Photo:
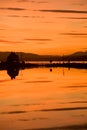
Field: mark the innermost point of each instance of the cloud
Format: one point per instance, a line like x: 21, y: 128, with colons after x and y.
x: 39, y: 118
x: 79, y: 102
x: 64, y: 11
x: 25, y: 16
x: 33, y: 104
x: 23, y: 1
x: 63, y: 109
x: 42, y: 2
x: 67, y: 127
x: 2, y: 29
x: 14, y: 112
x: 13, y: 16
x: 47, y: 81
x: 33, y: 1
x: 4, y: 41
x: 82, y: 18
x: 80, y: 86
x: 1, y: 81
x: 74, y: 34
x: 85, y: 48
x: 38, y: 39
x: 13, y: 9
x: 85, y: 26
x: 9, y: 42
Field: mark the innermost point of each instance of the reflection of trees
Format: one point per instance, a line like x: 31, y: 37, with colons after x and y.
x: 13, y: 72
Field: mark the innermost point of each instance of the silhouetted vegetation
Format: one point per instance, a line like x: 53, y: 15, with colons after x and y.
x: 13, y: 62
x: 13, y: 72
x: 78, y: 56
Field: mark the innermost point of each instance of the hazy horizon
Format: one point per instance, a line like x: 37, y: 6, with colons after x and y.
x: 44, y: 27
x: 45, y: 54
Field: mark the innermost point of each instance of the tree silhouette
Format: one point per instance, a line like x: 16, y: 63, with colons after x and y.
x: 12, y: 60
x: 12, y: 65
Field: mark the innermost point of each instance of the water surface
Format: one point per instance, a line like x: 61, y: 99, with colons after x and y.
x: 40, y: 99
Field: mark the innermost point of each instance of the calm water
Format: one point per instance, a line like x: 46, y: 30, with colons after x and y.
x: 39, y: 99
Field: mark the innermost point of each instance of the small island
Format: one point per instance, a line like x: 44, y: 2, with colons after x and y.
x: 14, y: 61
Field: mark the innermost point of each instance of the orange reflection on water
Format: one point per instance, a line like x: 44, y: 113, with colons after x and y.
x: 38, y: 98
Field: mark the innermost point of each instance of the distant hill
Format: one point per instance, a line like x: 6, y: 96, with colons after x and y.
x: 28, y: 56
x: 80, y: 53
x: 22, y: 55
x: 77, y: 56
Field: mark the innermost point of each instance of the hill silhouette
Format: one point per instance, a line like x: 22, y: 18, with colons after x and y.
x: 77, y: 56
x: 22, y: 56
x: 80, y: 53
x: 28, y: 56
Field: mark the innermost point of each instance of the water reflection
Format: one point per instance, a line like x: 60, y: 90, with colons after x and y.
x: 43, y: 100
x: 13, y: 72
x: 50, y: 69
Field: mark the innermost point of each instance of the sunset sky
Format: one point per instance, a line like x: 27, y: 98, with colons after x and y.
x: 43, y: 26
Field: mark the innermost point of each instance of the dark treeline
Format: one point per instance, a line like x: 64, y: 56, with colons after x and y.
x: 15, y: 61
x: 78, y: 56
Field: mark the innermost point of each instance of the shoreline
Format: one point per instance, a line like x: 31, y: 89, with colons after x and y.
x: 4, y: 66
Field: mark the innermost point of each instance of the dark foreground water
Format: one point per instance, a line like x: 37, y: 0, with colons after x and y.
x: 40, y: 99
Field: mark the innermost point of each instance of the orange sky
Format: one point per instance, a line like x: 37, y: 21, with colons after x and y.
x: 43, y: 26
